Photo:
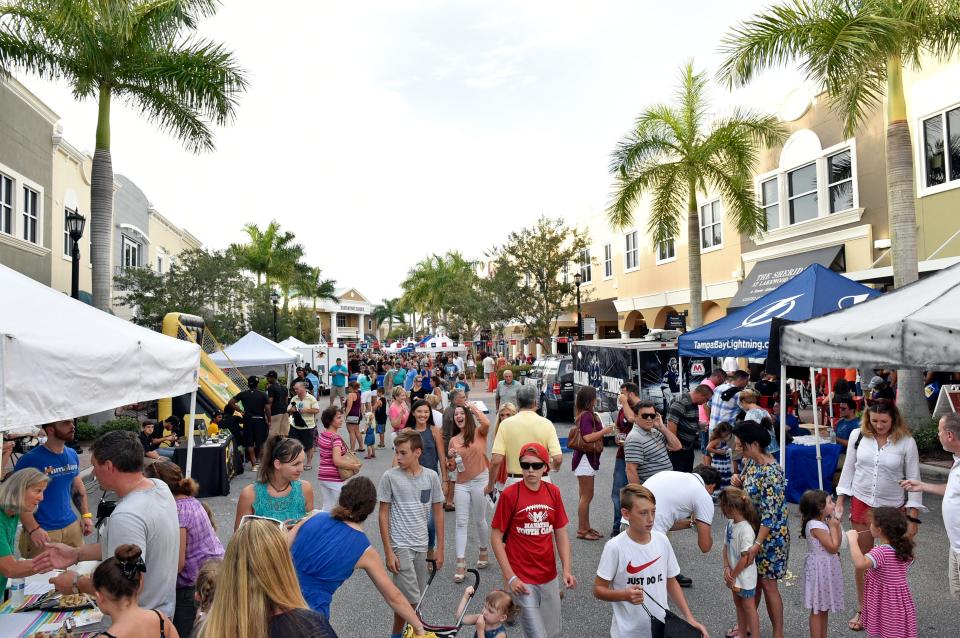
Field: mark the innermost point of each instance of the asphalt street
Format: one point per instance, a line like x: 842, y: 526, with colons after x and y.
x: 359, y: 611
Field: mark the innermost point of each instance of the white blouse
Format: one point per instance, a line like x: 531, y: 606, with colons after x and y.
x: 873, y: 474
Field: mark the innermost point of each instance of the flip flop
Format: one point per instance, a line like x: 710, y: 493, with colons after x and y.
x: 588, y: 536
x: 733, y: 632
x: 854, y: 623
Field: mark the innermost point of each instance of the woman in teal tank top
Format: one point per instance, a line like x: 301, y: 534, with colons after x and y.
x: 278, y: 491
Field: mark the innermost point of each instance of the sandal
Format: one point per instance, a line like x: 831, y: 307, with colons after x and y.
x: 483, y: 560
x: 447, y: 507
x: 733, y: 632
x: 307, y: 468
x: 461, y: 572
x: 854, y: 623
x: 596, y: 533
x: 588, y: 535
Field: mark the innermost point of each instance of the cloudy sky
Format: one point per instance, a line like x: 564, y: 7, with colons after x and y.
x: 382, y: 131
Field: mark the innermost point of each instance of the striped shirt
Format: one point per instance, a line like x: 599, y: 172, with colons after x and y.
x: 326, y: 441
x: 410, y: 498
x: 648, y: 451
x: 723, y: 411
x: 888, y: 608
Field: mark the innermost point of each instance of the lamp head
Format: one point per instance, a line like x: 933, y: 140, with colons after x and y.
x: 75, y: 225
x: 577, y: 278
x: 274, y: 296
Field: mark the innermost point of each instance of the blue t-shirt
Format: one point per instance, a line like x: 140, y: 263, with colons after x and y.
x: 408, y: 380
x: 315, y: 380
x: 451, y: 370
x: 338, y: 376
x: 56, y: 508
x: 325, y: 553
x: 845, y: 427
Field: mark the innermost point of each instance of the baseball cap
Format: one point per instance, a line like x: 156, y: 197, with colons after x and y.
x: 537, y: 450
x: 874, y: 382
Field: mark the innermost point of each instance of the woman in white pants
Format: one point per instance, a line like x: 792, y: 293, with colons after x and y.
x: 332, y: 457
x: 470, y: 447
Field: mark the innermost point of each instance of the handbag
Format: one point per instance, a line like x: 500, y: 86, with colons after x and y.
x: 346, y: 473
x: 672, y: 625
x: 576, y: 442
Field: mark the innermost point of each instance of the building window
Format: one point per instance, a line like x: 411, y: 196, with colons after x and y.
x: 632, y: 253
x: 341, y: 321
x: 666, y: 251
x: 802, y: 193
x: 711, y: 226
x: 770, y: 202
x: 67, y: 242
x: 131, y: 252
x: 817, y: 189
x: 941, y: 159
x: 608, y: 261
x: 31, y: 218
x: 6, y: 204
x: 586, y: 269
x: 160, y: 264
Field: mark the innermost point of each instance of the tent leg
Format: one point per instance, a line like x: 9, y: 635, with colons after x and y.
x: 188, y: 432
x: 816, y: 428
x: 783, y: 417
x: 829, y: 398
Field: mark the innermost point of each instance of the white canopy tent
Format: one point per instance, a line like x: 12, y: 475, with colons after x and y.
x: 61, y: 358
x: 292, y: 343
x: 253, y: 350
x: 440, y: 343
x: 916, y: 327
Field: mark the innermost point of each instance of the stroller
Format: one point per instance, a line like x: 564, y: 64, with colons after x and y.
x: 441, y: 631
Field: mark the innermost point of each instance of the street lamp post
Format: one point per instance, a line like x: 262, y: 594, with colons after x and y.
x: 75, y: 224
x: 577, y: 280
x: 274, y: 299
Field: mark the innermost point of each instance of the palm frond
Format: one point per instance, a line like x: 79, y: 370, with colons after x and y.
x: 691, y: 96
x: 670, y: 190
x: 739, y: 201
x: 170, y: 114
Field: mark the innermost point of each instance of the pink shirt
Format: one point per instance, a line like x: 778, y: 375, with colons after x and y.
x: 398, y: 411
x: 326, y: 441
x: 703, y: 410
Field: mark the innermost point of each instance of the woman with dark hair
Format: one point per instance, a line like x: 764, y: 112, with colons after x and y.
x: 333, y: 456
x: 354, y: 411
x: 118, y: 581
x: 329, y: 546
x: 468, y: 456
x: 766, y: 484
x: 198, y: 539
x: 879, y: 455
x: 421, y: 420
x: 278, y: 492
x: 586, y: 465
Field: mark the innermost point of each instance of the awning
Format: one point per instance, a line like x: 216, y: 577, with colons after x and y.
x: 770, y: 274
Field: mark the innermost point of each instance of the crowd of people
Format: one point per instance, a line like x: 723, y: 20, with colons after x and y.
x: 162, y: 565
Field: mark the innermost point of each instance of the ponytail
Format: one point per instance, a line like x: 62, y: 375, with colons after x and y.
x: 893, y: 523
x: 732, y: 498
x: 121, y: 575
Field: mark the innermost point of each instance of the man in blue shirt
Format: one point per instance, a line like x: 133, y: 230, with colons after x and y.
x: 55, y: 520
x: 848, y: 421
x: 338, y: 382
x: 314, y: 379
x: 411, y: 375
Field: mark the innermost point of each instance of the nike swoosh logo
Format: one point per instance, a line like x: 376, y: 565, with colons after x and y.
x: 636, y: 570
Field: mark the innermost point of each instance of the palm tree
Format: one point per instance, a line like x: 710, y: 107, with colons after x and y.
x: 257, y: 253
x: 857, y: 50
x: 143, y: 52
x: 388, y: 311
x: 313, y: 285
x: 674, y: 155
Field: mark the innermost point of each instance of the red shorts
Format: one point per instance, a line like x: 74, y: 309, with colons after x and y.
x: 859, y: 511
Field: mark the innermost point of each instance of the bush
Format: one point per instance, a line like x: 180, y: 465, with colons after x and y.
x: 85, y: 431
x: 517, y: 370
x: 927, y: 438
x: 121, y: 423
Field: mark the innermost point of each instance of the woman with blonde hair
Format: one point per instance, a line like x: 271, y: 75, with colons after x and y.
x: 21, y: 492
x: 258, y: 595
x: 398, y: 411
x: 506, y: 411
x: 879, y: 455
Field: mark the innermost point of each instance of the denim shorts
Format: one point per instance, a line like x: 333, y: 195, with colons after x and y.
x: 747, y: 593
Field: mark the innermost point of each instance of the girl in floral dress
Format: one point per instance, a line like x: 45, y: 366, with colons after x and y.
x: 721, y: 452
x: 822, y: 577
x: 765, y: 482
x: 888, y: 609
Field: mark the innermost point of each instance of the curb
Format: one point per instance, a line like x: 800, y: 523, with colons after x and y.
x: 934, y: 472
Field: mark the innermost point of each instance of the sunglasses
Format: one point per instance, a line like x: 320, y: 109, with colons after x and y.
x: 524, y: 465
x: 648, y: 417
x: 254, y: 517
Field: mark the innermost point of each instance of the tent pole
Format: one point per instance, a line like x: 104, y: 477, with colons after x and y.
x: 829, y: 398
x: 783, y: 416
x: 816, y: 428
x: 189, y: 432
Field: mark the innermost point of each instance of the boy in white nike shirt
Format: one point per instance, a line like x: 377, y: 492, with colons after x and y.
x: 639, y: 564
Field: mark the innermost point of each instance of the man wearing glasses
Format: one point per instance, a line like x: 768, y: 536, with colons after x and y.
x: 647, y: 446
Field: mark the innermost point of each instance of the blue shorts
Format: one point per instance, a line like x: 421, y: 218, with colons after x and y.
x: 381, y: 427
x: 746, y: 593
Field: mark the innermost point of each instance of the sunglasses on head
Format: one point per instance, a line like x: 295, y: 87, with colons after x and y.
x: 524, y: 465
x: 253, y: 517
x: 648, y: 417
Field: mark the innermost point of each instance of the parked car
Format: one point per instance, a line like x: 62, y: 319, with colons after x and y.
x: 553, y: 375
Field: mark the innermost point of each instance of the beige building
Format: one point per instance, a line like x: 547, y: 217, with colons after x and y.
x: 167, y: 241
x: 348, y: 320
x: 70, y: 193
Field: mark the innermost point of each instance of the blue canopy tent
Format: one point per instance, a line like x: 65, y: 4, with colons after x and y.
x: 815, y: 292
x: 746, y: 332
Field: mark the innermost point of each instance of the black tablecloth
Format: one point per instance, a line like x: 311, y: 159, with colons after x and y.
x: 213, y: 466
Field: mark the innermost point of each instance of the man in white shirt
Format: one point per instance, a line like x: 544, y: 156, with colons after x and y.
x: 458, y: 361
x: 489, y: 365
x: 949, y: 433
x: 685, y: 500
x: 638, y: 570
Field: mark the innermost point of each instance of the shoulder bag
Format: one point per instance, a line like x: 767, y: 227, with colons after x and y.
x: 346, y: 473
x: 576, y: 442
x: 672, y: 625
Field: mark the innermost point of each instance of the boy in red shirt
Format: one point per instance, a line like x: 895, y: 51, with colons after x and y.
x: 529, y: 516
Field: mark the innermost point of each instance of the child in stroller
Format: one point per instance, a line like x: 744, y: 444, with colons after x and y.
x: 498, y: 607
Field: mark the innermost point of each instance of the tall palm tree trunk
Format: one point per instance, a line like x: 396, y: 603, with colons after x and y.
x: 101, y: 207
x: 693, y: 260
x: 903, y: 227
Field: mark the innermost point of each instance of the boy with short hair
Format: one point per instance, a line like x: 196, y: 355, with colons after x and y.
x: 407, y: 493
x: 636, y: 561
x: 530, y: 513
